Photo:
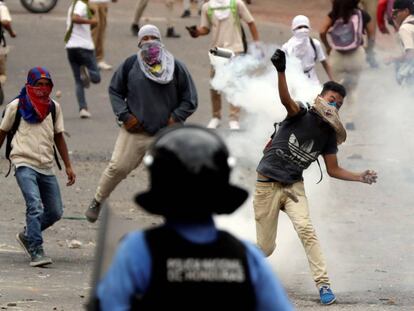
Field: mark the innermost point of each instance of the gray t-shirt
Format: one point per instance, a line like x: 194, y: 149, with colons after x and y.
x: 298, y: 142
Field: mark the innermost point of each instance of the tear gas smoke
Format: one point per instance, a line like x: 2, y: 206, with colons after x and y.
x: 346, y: 215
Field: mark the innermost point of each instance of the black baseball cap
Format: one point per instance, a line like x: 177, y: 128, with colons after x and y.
x: 404, y: 4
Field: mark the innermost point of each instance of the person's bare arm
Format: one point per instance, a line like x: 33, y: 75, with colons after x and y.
x: 279, y: 61
x: 63, y: 151
x: 328, y: 69
x: 335, y: 171
x: 253, y: 31
x: 195, y: 31
x: 3, y: 135
x: 326, y: 24
x: 77, y: 19
x: 8, y: 26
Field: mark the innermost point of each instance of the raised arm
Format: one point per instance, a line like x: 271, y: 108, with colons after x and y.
x: 279, y: 61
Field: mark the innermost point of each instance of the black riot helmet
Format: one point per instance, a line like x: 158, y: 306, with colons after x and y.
x: 189, y: 172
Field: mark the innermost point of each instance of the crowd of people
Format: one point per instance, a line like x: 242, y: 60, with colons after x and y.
x: 152, y: 93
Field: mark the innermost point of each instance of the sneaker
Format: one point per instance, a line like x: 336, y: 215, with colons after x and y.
x: 92, y: 213
x: 104, y: 65
x: 21, y: 238
x: 186, y: 13
x: 84, y: 76
x: 326, y: 294
x: 214, y: 123
x: 234, y: 125
x: 38, y: 258
x: 135, y: 29
x: 84, y: 114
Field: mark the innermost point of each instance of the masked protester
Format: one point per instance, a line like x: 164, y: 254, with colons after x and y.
x: 33, y: 124
x: 297, y: 142
x: 149, y: 91
x: 222, y: 18
x: 187, y: 263
x: 308, y: 50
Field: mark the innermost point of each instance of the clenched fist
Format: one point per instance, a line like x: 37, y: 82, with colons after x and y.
x: 279, y: 60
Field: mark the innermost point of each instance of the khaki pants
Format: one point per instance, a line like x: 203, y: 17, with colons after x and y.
x: 216, y: 103
x: 269, y: 199
x: 127, y: 155
x: 98, y: 32
x: 142, y: 4
x: 347, y: 68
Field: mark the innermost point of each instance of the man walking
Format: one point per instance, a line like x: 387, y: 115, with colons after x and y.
x: 100, y: 10
x: 148, y: 92
x: 297, y: 142
x: 141, y: 5
x: 36, y: 121
x: 80, y: 50
x: 222, y: 18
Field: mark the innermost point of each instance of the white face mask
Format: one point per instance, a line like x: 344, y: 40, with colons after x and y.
x: 301, y: 33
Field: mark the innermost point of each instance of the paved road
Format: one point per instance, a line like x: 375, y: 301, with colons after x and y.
x: 365, y: 231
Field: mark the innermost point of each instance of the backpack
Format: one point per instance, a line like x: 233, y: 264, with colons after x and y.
x: 13, y: 130
x: 234, y: 11
x: 347, y: 36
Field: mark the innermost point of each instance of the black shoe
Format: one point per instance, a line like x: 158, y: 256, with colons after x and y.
x: 186, y: 13
x: 92, y: 213
x: 38, y: 258
x: 21, y: 238
x: 84, y: 76
x: 171, y: 33
x: 135, y: 29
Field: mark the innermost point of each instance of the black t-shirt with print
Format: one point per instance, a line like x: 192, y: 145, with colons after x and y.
x: 298, y: 142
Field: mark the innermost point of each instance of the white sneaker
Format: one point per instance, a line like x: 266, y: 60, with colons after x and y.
x: 214, y: 123
x: 104, y: 66
x: 84, y: 114
x: 234, y: 125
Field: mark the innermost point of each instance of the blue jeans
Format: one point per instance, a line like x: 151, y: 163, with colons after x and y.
x: 43, y: 203
x: 82, y: 57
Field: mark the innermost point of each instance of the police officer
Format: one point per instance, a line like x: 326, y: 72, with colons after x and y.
x: 187, y: 263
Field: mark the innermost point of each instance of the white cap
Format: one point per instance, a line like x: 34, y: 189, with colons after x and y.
x: 148, y: 30
x: 300, y: 20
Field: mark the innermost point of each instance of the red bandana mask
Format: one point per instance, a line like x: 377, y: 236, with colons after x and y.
x: 39, y: 97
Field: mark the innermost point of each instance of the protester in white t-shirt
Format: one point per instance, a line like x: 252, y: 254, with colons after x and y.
x: 307, y: 49
x: 81, y: 51
x: 5, y: 20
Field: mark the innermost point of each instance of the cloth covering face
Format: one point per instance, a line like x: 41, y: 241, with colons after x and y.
x: 161, y: 69
x: 34, y: 102
x: 330, y: 115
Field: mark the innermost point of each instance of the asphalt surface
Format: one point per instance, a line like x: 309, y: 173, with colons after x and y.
x: 365, y: 231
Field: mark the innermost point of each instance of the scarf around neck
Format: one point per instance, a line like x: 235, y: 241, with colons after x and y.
x: 330, y: 115
x: 163, y: 71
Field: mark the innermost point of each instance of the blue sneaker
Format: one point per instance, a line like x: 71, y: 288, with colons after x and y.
x: 326, y: 294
